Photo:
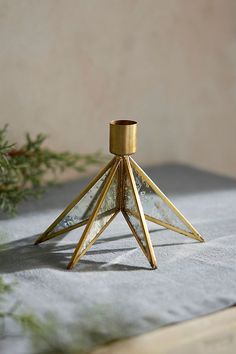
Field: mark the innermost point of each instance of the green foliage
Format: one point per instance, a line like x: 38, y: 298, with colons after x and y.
x: 4, y: 287
x: 25, y: 171
x: 49, y: 335
x: 44, y: 334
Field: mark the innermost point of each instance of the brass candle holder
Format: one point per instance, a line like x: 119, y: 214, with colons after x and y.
x: 121, y: 186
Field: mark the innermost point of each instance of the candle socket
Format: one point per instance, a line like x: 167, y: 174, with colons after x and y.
x: 123, y: 137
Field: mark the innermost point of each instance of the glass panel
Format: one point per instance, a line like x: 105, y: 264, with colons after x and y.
x: 132, y: 211
x: 135, y: 222
x: 83, y: 209
x: 105, y: 213
x: 154, y: 206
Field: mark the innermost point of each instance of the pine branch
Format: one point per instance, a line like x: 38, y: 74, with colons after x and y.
x: 46, y: 335
x: 24, y: 169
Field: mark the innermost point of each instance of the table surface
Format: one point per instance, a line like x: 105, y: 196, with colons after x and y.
x: 112, y: 292
x: 212, y: 334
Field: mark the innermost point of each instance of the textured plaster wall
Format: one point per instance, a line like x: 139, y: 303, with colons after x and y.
x: 67, y: 67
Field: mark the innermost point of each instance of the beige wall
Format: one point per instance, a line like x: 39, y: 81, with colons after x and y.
x: 68, y: 67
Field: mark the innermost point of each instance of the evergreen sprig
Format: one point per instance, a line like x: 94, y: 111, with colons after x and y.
x: 47, y: 335
x: 26, y: 170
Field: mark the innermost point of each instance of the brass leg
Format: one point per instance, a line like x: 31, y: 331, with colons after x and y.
x: 174, y: 228
x: 48, y: 234
x: 147, y: 248
x: 191, y: 232
x: 80, y: 255
x: 82, y: 247
x: 134, y: 232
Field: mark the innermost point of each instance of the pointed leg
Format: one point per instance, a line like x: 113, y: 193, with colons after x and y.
x: 80, y: 253
x: 134, y: 215
x: 107, y: 201
x: 158, y: 208
x: 77, y: 213
x: 134, y: 225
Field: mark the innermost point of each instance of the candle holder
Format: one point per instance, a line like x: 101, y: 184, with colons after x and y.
x: 121, y: 186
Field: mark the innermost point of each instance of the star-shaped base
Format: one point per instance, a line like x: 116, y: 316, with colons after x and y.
x: 122, y: 186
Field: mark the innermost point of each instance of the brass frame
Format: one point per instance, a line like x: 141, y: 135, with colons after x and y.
x: 195, y: 234
x: 150, y: 252
x: 122, y: 165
